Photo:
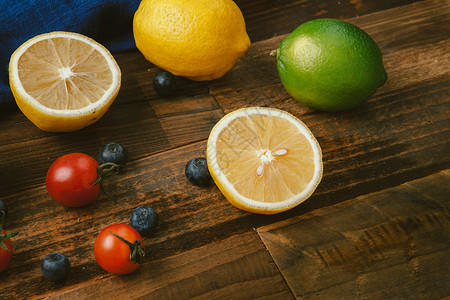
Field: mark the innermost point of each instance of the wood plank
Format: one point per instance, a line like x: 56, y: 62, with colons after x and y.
x: 265, y: 19
x: 149, y: 132
x: 137, y: 78
x: 28, y: 152
x: 190, y: 217
x: 139, y: 119
x: 401, y: 134
x: 236, y: 268
x: 414, y: 41
x: 390, y: 244
x: 187, y: 220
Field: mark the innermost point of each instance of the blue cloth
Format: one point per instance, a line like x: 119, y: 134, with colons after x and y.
x: 109, y: 22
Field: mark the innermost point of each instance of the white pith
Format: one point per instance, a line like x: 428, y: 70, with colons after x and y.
x: 65, y: 72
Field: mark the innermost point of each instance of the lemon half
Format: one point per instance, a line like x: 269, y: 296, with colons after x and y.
x: 63, y: 81
x: 264, y: 160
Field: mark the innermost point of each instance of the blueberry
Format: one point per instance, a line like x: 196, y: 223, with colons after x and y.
x: 3, y: 212
x: 144, y: 219
x: 197, y: 172
x: 113, y: 152
x: 164, y: 84
x: 55, y: 266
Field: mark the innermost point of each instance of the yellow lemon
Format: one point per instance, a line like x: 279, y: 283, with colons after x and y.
x: 264, y: 160
x: 200, y: 39
x: 63, y: 81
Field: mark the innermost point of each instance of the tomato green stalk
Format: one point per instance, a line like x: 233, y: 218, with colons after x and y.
x: 4, y: 237
x: 105, y: 170
x: 137, y: 252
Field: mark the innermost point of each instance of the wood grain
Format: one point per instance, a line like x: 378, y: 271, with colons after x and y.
x: 384, y: 142
x: 378, y: 246
x: 145, y: 128
x: 413, y: 40
x: 265, y: 18
x: 234, y: 268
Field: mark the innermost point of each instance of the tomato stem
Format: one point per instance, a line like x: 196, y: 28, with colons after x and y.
x: 105, y: 170
x: 4, y: 237
x: 137, y: 252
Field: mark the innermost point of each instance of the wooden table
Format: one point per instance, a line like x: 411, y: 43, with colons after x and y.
x: 377, y: 227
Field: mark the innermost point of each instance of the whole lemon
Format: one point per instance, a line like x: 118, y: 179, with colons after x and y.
x: 330, y: 65
x: 200, y: 39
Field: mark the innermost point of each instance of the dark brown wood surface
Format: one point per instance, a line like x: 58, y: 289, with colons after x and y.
x: 204, y: 247
x: 376, y: 246
x: 238, y: 267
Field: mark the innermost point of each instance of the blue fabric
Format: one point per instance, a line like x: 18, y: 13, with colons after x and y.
x: 109, y: 22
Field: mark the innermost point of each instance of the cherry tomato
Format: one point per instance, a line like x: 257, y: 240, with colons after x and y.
x: 70, y: 180
x: 119, y: 249
x: 5, y: 254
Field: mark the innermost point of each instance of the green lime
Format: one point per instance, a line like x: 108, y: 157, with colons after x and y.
x: 330, y: 65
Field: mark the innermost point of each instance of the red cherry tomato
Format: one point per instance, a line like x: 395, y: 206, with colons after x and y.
x: 70, y: 180
x: 119, y: 249
x: 5, y: 254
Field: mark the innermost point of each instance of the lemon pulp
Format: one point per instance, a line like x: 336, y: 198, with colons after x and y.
x: 52, y: 69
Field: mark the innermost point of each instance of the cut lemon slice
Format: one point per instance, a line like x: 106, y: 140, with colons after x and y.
x: 63, y: 81
x: 264, y: 160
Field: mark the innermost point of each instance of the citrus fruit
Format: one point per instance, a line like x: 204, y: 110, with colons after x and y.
x: 264, y: 160
x: 200, y: 39
x: 63, y: 81
x: 330, y: 65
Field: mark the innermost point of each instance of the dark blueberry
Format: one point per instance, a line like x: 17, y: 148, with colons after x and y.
x: 164, y: 84
x: 144, y: 219
x: 3, y: 212
x: 55, y: 266
x: 113, y: 152
x: 197, y: 172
